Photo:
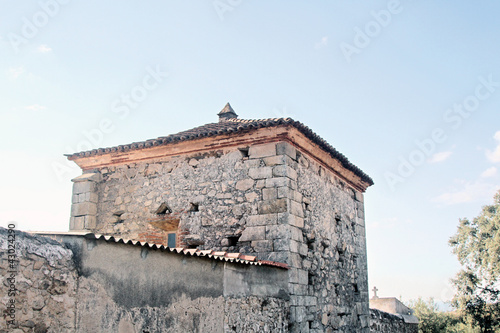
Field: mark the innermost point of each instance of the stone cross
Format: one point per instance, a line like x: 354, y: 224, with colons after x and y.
x: 375, y: 292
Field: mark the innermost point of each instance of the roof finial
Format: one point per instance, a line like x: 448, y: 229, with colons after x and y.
x: 227, y: 113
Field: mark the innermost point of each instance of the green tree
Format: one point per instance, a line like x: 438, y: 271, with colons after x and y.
x: 431, y: 320
x: 477, y: 247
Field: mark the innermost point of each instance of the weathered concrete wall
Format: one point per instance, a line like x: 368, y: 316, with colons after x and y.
x: 384, y: 322
x: 331, y: 257
x: 178, y: 293
x: 89, y: 285
x: 41, y: 280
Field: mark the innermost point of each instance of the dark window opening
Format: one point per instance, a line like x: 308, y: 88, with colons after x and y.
x: 194, y: 207
x: 171, y: 240
x: 118, y: 216
x: 244, y: 151
x: 163, y: 209
x: 233, y: 240
x: 355, y: 287
x: 310, y: 278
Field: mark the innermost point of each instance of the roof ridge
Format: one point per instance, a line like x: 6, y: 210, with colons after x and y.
x: 231, y: 126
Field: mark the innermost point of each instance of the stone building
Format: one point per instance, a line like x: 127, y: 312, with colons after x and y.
x: 270, y: 188
x: 234, y: 226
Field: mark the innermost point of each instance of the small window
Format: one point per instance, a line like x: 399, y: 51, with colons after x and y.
x: 244, y: 152
x: 171, y: 240
x: 233, y: 240
x: 194, y: 207
x: 163, y: 209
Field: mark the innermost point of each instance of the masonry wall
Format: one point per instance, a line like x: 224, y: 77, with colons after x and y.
x: 383, y: 322
x: 328, y: 277
x: 265, y: 199
x: 40, y: 280
x: 89, y: 285
x: 228, y: 200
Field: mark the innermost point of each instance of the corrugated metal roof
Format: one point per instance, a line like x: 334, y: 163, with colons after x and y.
x: 211, y: 254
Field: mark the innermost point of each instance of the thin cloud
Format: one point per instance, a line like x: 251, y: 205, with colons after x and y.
x: 494, y: 156
x: 490, y: 172
x: 35, y: 107
x: 44, y: 48
x: 469, y: 192
x: 15, y: 72
x: 440, y: 157
x: 322, y: 43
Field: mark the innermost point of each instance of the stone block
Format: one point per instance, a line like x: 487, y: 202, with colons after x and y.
x: 262, y: 245
x: 94, y: 177
x: 83, y: 187
x: 358, y: 196
x: 252, y: 196
x: 263, y: 150
x: 277, y: 231
x: 90, y: 222
x: 296, y: 209
x: 259, y: 220
x: 295, y: 260
x: 297, y: 275
x: 260, y: 173
x: 278, y: 182
x: 269, y: 193
x: 245, y: 184
x: 83, y: 208
x: 272, y: 206
x: 75, y: 198
x: 283, y: 192
x: 298, y: 289
x: 284, y: 171
x: 284, y: 148
x: 274, y: 160
x: 78, y: 223
x: 296, y: 234
x: 296, y: 195
x: 253, y: 233
x: 281, y: 245
x: 294, y: 246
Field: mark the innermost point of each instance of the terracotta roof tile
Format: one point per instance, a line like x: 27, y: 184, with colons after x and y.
x: 231, y: 125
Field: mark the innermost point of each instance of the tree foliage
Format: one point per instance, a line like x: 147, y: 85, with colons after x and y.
x: 477, y: 247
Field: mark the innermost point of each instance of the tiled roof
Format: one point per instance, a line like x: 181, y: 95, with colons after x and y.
x: 228, y: 126
x: 211, y: 254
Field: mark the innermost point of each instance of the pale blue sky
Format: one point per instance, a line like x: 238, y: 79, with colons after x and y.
x: 65, y: 69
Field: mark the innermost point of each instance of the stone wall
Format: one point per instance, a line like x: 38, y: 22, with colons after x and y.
x: 223, y: 200
x: 45, y: 282
x: 268, y: 199
x: 91, y: 285
x: 331, y: 256
x: 384, y: 322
